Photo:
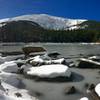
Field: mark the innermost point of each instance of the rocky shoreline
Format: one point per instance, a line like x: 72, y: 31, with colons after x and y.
x: 44, y: 68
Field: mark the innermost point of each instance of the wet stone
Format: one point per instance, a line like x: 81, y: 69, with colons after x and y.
x: 70, y: 90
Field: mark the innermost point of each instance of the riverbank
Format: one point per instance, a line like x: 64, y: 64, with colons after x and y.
x: 55, y: 90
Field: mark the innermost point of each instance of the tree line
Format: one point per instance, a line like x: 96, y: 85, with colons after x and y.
x: 31, y: 32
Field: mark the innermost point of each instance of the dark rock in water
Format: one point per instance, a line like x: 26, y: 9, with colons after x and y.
x: 71, y: 64
x: 91, y: 87
x: 18, y: 94
x: 20, y: 71
x: 20, y: 64
x: 38, y: 93
x: 86, y: 85
x: 30, y: 49
x: 54, y: 54
x: 64, y: 62
x: 87, y: 63
x: 99, y: 72
x: 70, y: 90
x: 92, y: 92
x: 93, y: 95
x: 33, y: 63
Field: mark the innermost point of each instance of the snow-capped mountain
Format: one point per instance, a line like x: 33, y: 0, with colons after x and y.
x: 47, y: 21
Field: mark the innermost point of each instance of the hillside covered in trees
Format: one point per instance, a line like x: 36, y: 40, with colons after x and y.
x: 27, y: 31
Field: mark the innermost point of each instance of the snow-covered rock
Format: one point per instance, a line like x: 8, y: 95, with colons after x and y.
x: 9, y: 58
x: 97, y: 89
x: 58, y: 61
x: 44, y: 60
x: 11, y: 91
x: 12, y: 87
x: 10, y: 66
x: 37, y: 59
x: 88, y: 63
x: 2, y: 59
x: 84, y: 98
x: 45, y: 56
x: 50, y: 71
x: 48, y: 22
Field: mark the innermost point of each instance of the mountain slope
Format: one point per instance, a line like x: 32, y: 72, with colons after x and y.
x: 45, y: 28
x: 20, y: 31
x: 91, y: 25
x: 48, y: 22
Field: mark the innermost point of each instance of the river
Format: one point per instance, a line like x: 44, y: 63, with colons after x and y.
x: 55, y: 90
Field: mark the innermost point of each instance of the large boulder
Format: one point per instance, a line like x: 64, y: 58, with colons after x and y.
x: 30, y: 49
x: 50, y: 71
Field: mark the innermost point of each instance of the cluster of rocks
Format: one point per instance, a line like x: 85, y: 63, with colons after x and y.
x: 93, y: 91
x: 43, y: 65
x: 37, y: 62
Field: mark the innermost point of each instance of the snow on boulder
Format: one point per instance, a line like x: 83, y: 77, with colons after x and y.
x: 50, y: 71
x: 10, y: 66
x: 2, y: 59
x: 10, y: 58
x: 87, y: 63
x: 58, y: 61
x: 38, y: 60
x: 97, y: 89
x: 84, y: 98
x: 13, y: 93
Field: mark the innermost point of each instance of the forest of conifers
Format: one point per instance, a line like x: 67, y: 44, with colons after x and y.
x: 25, y: 32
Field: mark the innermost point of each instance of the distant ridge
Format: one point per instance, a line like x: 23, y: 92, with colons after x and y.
x: 48, y: 21
x: 46, y: 28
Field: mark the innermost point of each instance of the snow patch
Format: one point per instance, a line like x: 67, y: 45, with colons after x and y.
x: 46, y: 60
x: 84, y: 98
x: 49, y: 22
x: 37, y: 59
x: 10, y: 93
x: 10, y: 66
x: 97, y: 89
x: 50, y: 71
